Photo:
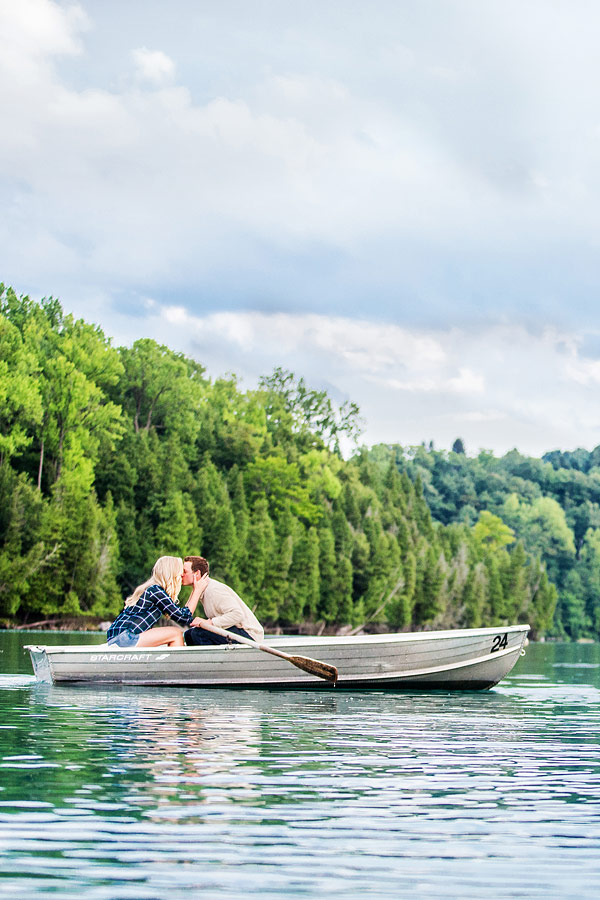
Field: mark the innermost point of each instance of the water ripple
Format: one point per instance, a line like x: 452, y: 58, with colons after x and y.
x: 141, y: 793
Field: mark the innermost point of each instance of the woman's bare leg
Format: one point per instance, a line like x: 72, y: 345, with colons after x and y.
x: 169, y: 635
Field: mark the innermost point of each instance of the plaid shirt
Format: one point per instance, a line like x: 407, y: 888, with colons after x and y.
x: 153, y: 604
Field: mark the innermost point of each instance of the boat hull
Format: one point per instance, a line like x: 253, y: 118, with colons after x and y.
x: 466, y: 659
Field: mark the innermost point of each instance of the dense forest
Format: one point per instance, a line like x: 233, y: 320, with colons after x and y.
x: 552, y: 506
x: 111, y: 457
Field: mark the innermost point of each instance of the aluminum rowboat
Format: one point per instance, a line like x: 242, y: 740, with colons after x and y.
x: 461, y: 659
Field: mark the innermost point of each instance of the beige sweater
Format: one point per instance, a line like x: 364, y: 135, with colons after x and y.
x: 224, y: 608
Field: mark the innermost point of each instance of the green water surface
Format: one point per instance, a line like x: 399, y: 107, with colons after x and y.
x: 122, y: 792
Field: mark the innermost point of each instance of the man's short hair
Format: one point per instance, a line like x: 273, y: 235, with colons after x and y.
x: 199, y: 564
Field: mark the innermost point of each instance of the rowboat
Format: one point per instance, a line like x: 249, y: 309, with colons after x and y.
x: 461, y: 659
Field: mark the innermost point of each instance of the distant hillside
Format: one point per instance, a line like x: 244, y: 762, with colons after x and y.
x: 551, y: 504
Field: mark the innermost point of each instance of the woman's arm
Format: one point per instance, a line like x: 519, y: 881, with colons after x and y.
x: 164, y: 603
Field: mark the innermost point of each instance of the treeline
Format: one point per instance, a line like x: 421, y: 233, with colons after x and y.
x: 111, y: 457
x: 552, y: 506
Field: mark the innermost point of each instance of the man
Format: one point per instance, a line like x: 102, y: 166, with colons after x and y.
x: 222, y: 607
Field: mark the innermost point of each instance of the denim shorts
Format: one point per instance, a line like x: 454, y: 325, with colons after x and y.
x: 124, y: 639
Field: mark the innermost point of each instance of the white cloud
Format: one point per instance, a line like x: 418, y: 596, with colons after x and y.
x: 153, y: 66
x: 160, y: 181
x: 467, y: 382
x: 583, y: 371
x: 35, y: 29
x: 496, y: 387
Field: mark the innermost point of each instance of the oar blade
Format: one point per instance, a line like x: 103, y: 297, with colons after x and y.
x: 315, y: 667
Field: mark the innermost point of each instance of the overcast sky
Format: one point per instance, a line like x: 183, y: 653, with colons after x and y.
x: 398, y: 200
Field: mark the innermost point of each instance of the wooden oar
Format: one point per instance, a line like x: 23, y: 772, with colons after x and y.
x: 312, y: 666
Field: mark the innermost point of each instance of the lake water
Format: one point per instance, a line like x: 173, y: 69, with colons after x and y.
x: 143, y: 793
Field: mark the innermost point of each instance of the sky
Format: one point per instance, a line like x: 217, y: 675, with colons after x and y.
x: 398, y: 201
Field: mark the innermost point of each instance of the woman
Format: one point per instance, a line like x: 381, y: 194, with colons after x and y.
x: 150, y: 601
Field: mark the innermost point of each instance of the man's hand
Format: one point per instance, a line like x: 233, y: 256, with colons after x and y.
x: 199, y: 623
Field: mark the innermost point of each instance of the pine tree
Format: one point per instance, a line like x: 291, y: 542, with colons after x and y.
x: 223, y: 550
x: 328, y: 595
x: 430, y: 579
x: 350, y: 503
x: 474, y: 598
x: 286, y: 533
x: 178, y: 527
x: 307, y: 574
x: 261, y: 537
x: 497, y: 609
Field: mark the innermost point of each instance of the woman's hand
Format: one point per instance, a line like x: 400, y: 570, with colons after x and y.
x: 200, y: 582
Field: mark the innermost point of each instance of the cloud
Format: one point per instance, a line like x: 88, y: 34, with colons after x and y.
x: 153, y: 66
x: 583, y: 371
x: 497, y: 387
x: 411, y: 183
x: 37, y: 29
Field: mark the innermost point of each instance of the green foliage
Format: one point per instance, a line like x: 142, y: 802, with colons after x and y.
x: 295, y: 411
x: 279, y: 481
x: 491, y: 533
x: 548, y: 507
x: 112, y: 457
x: 20, y: 400
x: 160, y: 389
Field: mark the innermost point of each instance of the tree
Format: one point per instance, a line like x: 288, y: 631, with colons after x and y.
x: 492, y: 533
x: 261, y: 537
x: 77, y: 416
x: 544, y: 530
x: 329, y: 597
x: 293, y: 408
x: 495, y: 593
x: 515, y: 582
x: 74, y: 366
x: 178, y: 527
x: 430, y: 580
x: 572, y: 614
x: 225, y: 551
x: 305, y: 576
x: 22, y: 552
x: 161, y: 389
x: 279, y: 481
x: 20, y: 400
x: 474, y: 598
x: 80, y: 574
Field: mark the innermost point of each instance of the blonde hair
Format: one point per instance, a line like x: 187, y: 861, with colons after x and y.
x: 167, y: 573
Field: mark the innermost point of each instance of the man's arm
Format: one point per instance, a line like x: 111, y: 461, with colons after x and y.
x: 227, y: 617
x: 222, y: 606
